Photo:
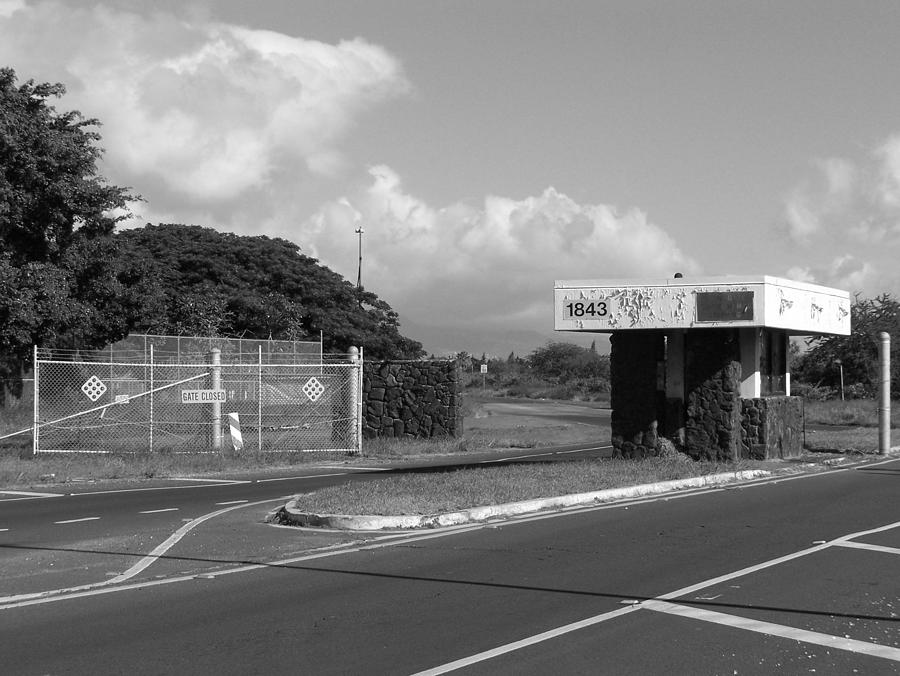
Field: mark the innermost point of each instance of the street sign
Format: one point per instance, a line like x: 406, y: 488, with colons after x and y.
x: 484, y: 368
x: 203, y: 396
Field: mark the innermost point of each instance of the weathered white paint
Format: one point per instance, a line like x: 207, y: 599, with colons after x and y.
x: 797, y: 307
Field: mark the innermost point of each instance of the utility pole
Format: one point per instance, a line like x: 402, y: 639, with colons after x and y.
x: 359, y: 231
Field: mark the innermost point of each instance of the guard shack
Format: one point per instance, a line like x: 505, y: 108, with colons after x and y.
x: 703, y: 362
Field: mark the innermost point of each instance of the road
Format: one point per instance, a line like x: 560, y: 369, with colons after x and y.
x: 59, y: 539
x: 796, y: 575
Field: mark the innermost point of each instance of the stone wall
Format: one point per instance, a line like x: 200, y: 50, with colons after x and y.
x: 634, y: 392
x: 713, y: 395
x: 412, y: 399
x: 772, y: 427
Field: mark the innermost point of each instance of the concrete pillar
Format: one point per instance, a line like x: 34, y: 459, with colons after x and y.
x: 751, y: 346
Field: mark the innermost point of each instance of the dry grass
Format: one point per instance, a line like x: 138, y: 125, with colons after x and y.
x: 446, y: 491
x: 862, y: 412
x: 855, y: 440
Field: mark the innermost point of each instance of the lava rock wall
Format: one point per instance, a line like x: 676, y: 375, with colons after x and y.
x: 412, y: 399
x: 771, y: 427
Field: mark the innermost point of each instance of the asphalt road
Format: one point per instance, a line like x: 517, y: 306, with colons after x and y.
x: 790, y: 576
x: 60, y: 539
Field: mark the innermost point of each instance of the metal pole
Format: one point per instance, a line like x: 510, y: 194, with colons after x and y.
x: 359, y: 231
x: 151, y: 395
x: 259, y: 401
x: 34, y: 434
x: 884, y: 404
x: 216, y: 377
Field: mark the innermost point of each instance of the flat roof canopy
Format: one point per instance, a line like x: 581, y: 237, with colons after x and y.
x: 607, y: 305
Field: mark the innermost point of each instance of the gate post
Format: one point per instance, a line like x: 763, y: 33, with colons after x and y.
x: 355, y: 396
x: 216, y: 373
x: 36, y: 404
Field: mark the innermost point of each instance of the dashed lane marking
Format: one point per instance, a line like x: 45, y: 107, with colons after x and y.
x: 231, y: 502
x: 87, y: 518
x: 159, y: 511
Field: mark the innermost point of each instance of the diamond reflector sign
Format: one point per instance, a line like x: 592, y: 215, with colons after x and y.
x: 93, y: 388
x: 313, y: 389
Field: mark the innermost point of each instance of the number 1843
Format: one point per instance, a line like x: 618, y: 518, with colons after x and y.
x: 579, y: 309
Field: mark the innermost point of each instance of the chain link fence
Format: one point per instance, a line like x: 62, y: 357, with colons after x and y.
x: 283, y: 400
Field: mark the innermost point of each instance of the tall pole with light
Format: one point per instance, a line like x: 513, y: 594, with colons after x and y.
x: 359, y: 231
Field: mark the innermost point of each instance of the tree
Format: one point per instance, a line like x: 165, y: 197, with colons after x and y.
x: 260, y: 287
x: 565, y: 361
x: 50, y: 187
x: 858, y: 352
x: 58, y: 284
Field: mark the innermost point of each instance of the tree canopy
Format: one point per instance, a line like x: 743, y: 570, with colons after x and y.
x: 214, y: 283
x: 50, y: 187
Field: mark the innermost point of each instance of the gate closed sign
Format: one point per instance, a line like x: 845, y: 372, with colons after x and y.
x: 202, y: 396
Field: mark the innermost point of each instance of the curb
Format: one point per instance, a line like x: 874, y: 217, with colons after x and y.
x: 364, y: 522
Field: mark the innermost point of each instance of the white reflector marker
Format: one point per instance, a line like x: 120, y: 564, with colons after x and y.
x: 234, y: 424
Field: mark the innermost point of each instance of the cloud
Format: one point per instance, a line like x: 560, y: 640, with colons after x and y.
x: 196, y: 110
x: 491, y: 266
x: 845, y: 221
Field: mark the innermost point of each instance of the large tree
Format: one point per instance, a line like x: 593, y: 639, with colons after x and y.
x: 58, y: 284
x: 258, y: 287
x: 50, y: 187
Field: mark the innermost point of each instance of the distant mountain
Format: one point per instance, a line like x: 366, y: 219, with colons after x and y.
x: 446, y: 340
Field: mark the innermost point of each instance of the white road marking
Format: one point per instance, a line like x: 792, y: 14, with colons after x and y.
x: 3, y: 530
x: 515, y: 457
x: 87, y: 518
x: 232, y: 502
x: 155, y: 488
x: 871, y: 548
x: 660, y: 604
x: 584, y: 450
x: 211, y: 481
x: 771, y: 629
x: 31, y: 494
x: 525, y: 642
x: 291, y: 478
x: 159, y: 511
x: 51, y: 595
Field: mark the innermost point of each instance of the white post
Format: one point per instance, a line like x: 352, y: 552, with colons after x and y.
x: 355, y: 390
x: 216, y: 374
x: 884, y: 403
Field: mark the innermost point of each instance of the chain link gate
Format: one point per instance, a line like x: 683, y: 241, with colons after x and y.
x: 96, y: 406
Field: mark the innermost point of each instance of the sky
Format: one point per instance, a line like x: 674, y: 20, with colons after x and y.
x: 489, y: 147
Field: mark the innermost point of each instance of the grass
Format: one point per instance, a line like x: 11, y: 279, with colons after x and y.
x: 435, y: 492
x: 862, y: 412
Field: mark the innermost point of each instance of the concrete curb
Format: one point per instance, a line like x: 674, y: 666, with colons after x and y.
x: 289, y: 514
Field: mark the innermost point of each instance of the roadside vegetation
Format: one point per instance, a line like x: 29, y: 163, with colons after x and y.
x: 435, y: 492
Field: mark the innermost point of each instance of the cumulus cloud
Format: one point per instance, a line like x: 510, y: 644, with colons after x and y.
x: 493, y: 265
x: 203, y: 111
x: 845, y: 220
